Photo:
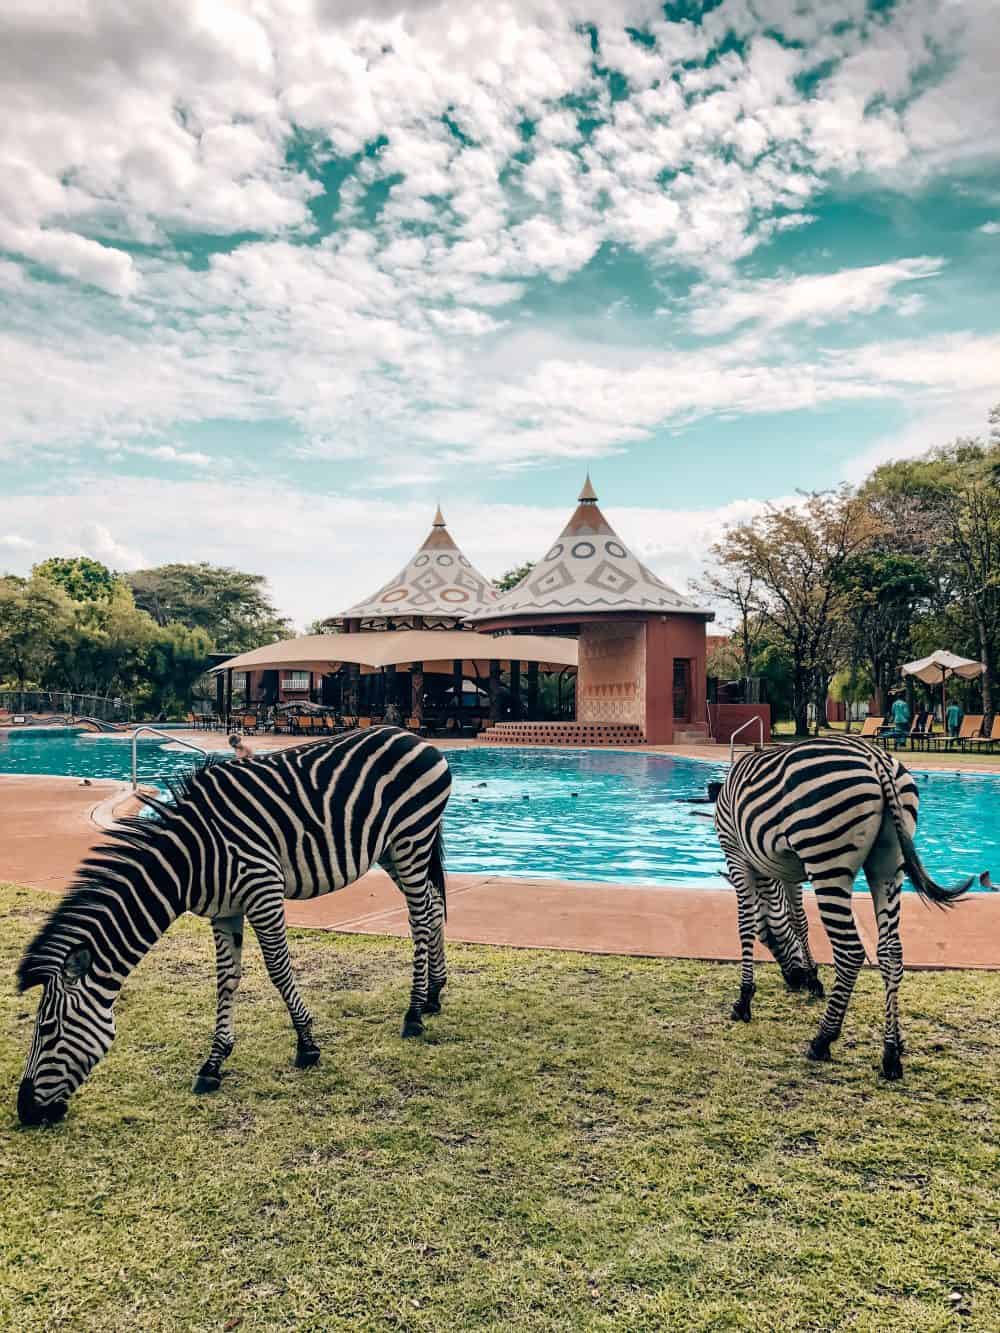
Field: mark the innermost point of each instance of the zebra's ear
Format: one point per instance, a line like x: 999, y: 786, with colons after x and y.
x: 77, y: 965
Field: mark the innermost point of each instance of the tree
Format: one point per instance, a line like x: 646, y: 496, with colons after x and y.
x: 883, y: 592
x: 177, y: 659
x: 231, y: 606
x: 105, y: 646
x: 513, y: 577
x: 735, y: 589
x: 955, y: 491
x: 35, y: 615
x: 81, y: 578
x: 791, y: 559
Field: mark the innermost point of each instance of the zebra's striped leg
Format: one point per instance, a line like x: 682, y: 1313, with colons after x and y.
x: 273, y: 940
x: 800, y: 923
x: 228, y: 934
x: 834, y: 898
x: 744, y: 882
x: 776, y: 930
x: 408, y: 865
x: 437, y: 967
x: 886, y: 881
x: 423, y: 928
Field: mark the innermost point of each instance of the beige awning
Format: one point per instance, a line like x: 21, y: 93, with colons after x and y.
x: 941, y: 665
x: 437, y: 650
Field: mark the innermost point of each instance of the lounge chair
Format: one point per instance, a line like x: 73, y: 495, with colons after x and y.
x: 873, y: 729
x: 972, y: 743
x: 972, y: 725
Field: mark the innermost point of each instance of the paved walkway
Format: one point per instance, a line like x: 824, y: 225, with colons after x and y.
x: 49, y: 824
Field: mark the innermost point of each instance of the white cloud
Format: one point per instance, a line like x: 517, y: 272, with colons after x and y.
x: 403, y: 332
x: 73, y: 256
x: 811, y: 299
x: 99, y: 543
x: 273, y: 533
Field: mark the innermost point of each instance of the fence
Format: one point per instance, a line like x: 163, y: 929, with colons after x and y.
x: 62, y: 703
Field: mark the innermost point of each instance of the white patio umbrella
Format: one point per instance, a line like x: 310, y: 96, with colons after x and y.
x: 939, y: 667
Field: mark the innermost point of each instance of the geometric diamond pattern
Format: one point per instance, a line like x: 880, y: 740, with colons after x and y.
x: 437, y: 582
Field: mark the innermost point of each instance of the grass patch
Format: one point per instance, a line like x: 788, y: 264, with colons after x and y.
x: 580, y: 1143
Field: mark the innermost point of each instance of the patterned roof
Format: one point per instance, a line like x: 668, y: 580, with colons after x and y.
x: 588, y: 569
x: 437, y: 582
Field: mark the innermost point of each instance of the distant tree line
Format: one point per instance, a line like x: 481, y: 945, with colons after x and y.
x: 74, y: 625
x: 835, y: 592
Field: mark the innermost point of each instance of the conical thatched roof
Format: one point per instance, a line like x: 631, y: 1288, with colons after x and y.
x: 437, y: 583
x: 588, y: 570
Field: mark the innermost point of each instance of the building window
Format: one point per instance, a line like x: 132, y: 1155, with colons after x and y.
x: 240, y: 680
x: 295, y: 680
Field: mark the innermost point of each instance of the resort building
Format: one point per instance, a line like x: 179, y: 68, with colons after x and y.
x: 406, y: 653
x: 641, y: 644
x: 438, y: 647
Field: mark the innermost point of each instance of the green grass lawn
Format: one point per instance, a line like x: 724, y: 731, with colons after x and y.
x: 579, y: 1143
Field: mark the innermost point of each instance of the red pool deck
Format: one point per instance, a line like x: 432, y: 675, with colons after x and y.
x: 48, y: 824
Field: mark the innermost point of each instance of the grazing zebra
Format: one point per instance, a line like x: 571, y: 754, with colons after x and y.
x: 821, y: 811
x: 240, y: 838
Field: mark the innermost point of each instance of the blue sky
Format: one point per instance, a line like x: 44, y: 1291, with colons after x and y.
x: 277, y: 277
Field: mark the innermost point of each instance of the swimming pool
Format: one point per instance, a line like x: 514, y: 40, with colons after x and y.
x: 574, y: 814
x: 109, y: 755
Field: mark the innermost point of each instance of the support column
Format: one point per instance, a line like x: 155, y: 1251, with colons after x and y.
x: 532, y: 691
x: 220, y: 694
x: 494, y: 690
x: 229, y: 696
x: 515, y: 689
x: 353, y: 626
x: 417, y: 691
x: 456, y: 685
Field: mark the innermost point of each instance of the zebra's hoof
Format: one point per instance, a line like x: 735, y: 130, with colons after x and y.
x: 815, y: 986
x: 740, y: 1012
x: 207, y: 1083
x: 433, y: 1005
x: 892, y: 1065
x: 306, y: 1057
x: 818, y: 1050
x: 413, y: 1027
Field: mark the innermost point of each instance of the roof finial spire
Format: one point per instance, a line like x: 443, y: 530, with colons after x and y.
x: 438, y: 518
x: 588, y: 496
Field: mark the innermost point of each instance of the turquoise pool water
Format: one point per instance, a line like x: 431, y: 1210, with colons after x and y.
x: 80, y: 755
x: 575, y: 814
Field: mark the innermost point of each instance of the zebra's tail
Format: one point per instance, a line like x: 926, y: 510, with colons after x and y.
x: 929, y: 889
x: 435, y: 872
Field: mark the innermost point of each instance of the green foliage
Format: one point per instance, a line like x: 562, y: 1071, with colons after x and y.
x: 35, y: 618
x: 231, y: 606
x: 579, y: 1143
x: 513, y: 577
x: 175, y: 662
x: 82, y: 579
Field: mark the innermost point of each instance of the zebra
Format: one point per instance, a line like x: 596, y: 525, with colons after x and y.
x: 239, y: 838
x: 821, y: 810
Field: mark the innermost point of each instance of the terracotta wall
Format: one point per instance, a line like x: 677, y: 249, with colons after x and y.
x: 727, y: 718
x: 669, y: 637
x: 610, y: 675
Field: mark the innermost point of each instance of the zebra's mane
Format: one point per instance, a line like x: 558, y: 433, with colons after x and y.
x: 94, y: 884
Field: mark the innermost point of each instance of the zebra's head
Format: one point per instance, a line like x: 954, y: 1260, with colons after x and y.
x: 74, y: 1028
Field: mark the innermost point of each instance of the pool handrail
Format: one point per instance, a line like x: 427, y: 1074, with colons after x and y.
x: 748, y: 723
x: 154, y: 731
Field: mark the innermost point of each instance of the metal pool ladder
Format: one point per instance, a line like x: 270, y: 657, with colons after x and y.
x: 155, y: 731
x: 732, y: 739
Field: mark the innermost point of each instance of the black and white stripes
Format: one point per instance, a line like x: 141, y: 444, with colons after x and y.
x: 239, y: 839
x: 821, y: 811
